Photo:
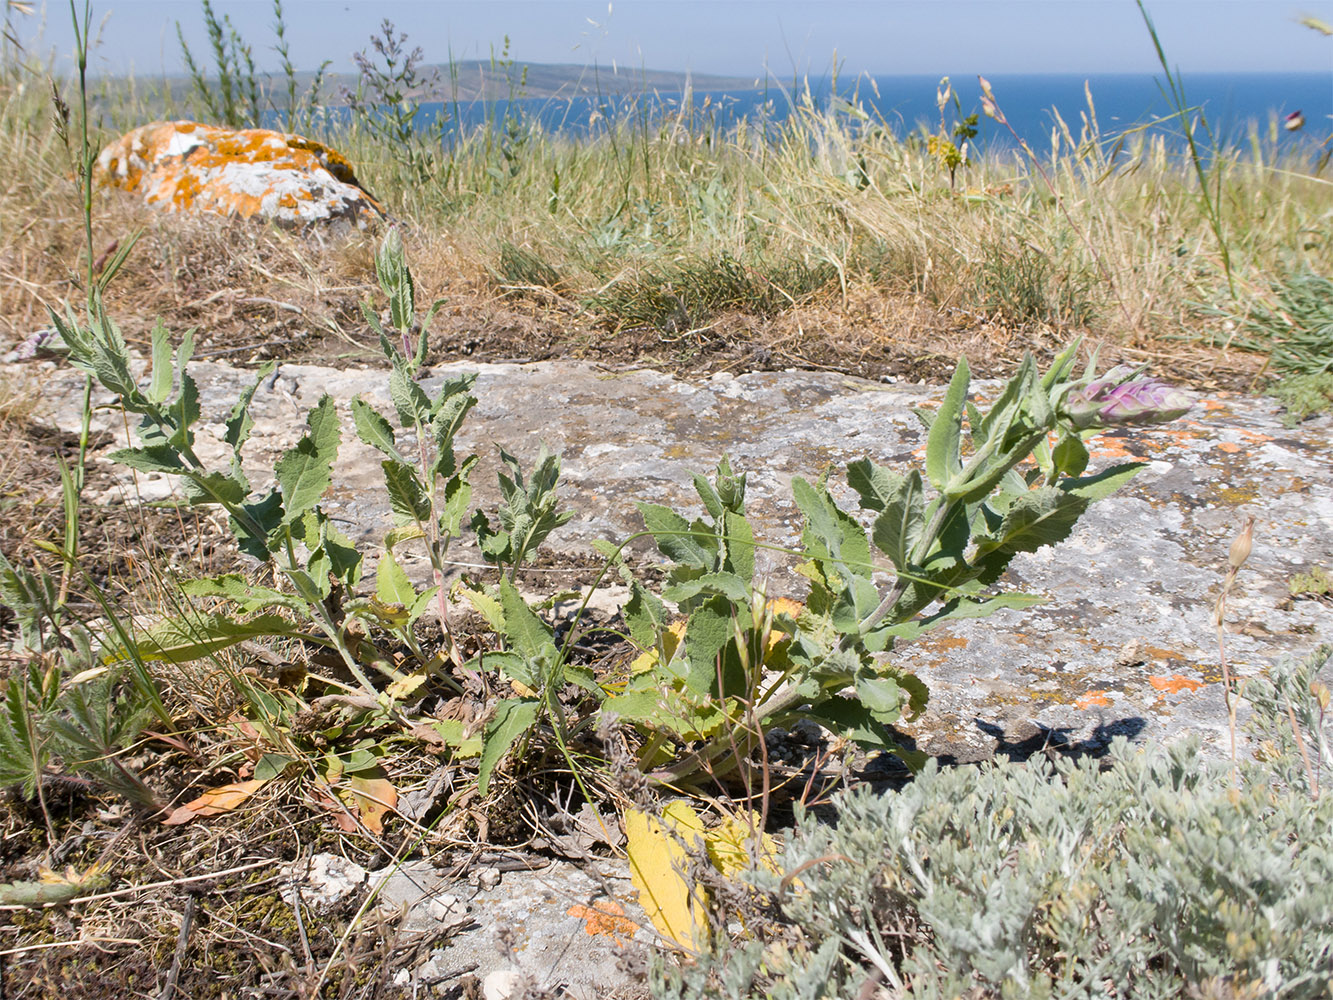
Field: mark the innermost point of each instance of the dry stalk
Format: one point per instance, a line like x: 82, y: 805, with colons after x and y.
x: 1240, y: 551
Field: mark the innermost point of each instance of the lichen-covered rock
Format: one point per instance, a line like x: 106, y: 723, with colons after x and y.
x: 185, y: 166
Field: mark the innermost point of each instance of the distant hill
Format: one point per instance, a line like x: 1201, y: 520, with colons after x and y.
x: 472, y: 80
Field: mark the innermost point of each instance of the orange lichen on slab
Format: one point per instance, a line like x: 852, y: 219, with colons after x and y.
x: 184, y: 166
x: 606, y: 918
x: 1093, y: 698
x: 1174, y: 683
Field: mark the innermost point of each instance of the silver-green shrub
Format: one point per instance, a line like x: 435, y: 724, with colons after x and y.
x: 1149, y: 874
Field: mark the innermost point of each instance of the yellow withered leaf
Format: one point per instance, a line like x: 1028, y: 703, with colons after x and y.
x: 731, y: 842
x: 372, y: 798
x: 658, y: 860
x: 671, y: 640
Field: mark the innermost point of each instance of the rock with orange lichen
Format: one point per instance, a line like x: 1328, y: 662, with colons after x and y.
x: 189, y: 167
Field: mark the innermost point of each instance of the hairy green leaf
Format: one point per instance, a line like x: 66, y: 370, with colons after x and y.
x: 182, y: 640
x: 513, y: 718
x: 245, y: 595
x: 305, y: 471
x: 943, y: 460
x: 407, y: 494
x: 374, y: 429
x: 902, y: 519
x: 391, y: 584
x: 875, y: 485
x: 675, y: 537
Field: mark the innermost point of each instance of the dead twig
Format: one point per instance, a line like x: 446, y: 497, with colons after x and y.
x: 182, y: 943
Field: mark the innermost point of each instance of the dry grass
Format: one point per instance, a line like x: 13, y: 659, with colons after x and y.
x: 676, y: 243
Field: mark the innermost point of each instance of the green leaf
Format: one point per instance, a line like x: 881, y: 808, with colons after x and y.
x: 875, y: 485
x: 672, y: 712
x: 452, y: 406
x: 728, y: 585
x: 159, y: 384
x: 1040, y: 517
x: 707, y: 636
x: 513, y: 718
x: 240, y: 423
x: 487, y: 606
x: 407, y: 494
x: 272, y: 765
x: 851, y: 720
x: 457, y: 499
x: 898, y: 528
x: 408, y: 398
x: 712, y: 502
x: 266, y: 515
x: 185, y: 410
x: 529, y: 635
x: 943, y: 460
x: 343, y: 555
x: 391, y: 584
x: 374, y: 429
x: 182, y: 640
x: 644, y: 614
x: 832, y: 536
x: 881, y: 696
x: 453, y: 733
x: 853, y: 605
x: 1104, y: 483
x: 1070, y: 455
x: 406, y: 533
x: 740, y: 545
x: 675, y: 537
x: 246, y: 596
x: 213, y: 487
x: 158, y: 458
x: 305, y: 472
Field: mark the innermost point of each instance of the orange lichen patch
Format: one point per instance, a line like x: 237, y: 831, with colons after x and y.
x: 189, y: 167
x: 1174, y: 683
x: 1093, y: 698
x: 606, y: 918
x: 1230, y: 447
x: 1158, y: 653
x: 945, y: 642
x: 1110, y: 448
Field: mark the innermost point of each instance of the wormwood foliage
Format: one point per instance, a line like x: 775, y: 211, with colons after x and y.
x: 1153, y: 877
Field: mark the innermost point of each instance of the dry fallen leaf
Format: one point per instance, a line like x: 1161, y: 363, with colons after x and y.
x: 216, y: 800
x: 731, y: 842
x: 372, y: 798
x: 657, y: 863
x: 340, y: 814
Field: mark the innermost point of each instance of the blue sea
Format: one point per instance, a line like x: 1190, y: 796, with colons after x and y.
x: 1233, y: 105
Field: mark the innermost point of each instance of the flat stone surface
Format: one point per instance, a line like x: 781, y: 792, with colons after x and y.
x: 1125, y: 643
x: 559, y: 926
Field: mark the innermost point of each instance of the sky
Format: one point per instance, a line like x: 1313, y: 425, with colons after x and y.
x: 732, y: 37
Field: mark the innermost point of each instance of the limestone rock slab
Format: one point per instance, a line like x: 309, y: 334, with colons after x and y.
x: 1125, y: 643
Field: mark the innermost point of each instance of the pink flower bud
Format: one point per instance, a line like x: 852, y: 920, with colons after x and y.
x: 1109, y: 400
